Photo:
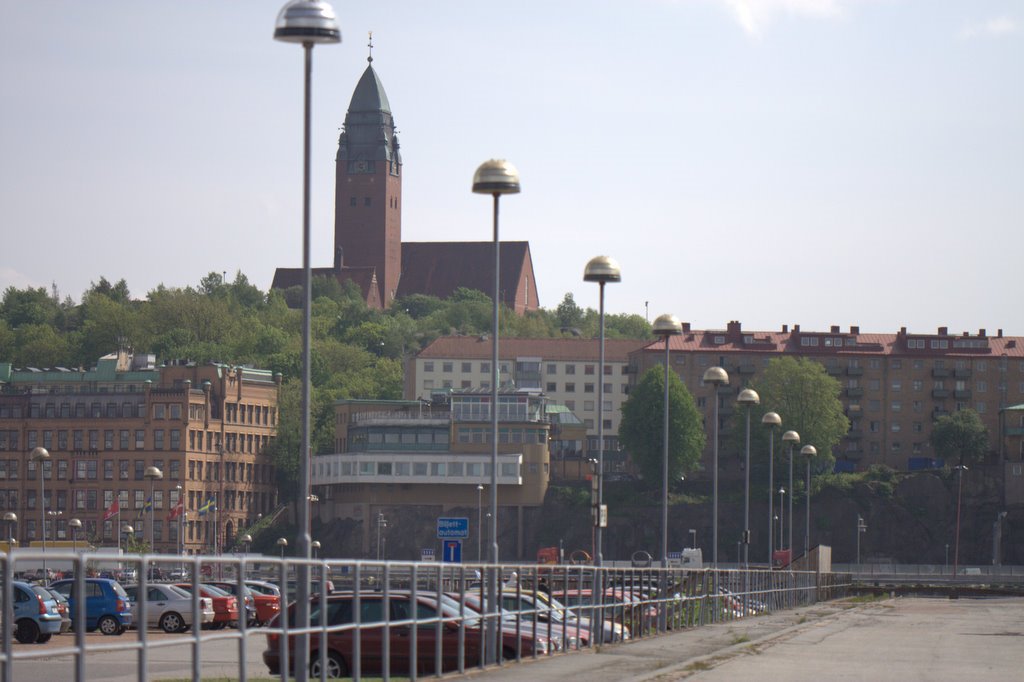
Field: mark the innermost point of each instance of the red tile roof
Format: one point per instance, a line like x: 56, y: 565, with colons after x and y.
x: 439, y: 268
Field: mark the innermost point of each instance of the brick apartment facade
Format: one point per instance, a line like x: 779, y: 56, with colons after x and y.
x: 894, y: 386
x: 205, y: 427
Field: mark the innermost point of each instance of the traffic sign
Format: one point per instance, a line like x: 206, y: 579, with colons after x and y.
x: 452, y: 551
x: 449, y: 527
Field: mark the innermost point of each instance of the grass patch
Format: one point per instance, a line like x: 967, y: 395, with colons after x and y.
x: 739, y: 637
x: 699, y: 666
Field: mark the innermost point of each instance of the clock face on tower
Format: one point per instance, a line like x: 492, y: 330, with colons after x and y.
x: 361, y: 166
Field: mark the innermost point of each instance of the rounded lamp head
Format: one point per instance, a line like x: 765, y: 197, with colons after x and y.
x: 496, y: 176
x: 716, y: 375
x: 154, y: 473
x: 75, y: 523
x: 602, y: 269
x: 808, y: 451
x: 307, y: 21
x: 771, y: 419
x: 246, y: 538
x: 748, y: 396
x: 127, y: 530
x: 315, y: 544
x: 39, y: 454
x: 666, y: 325
x: 791, y: 437
x: 282, y: 542
x: 10, y: 516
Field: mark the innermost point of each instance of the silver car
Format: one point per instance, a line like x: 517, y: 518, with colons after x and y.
x: 170, y: 608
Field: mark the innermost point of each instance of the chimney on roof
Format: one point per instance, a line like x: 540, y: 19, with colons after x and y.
x: 785, y: 329
x: 686, y: 327
x: 796, y: 329
x: 734, y: 330
x: 854, y: 329
x: 903, y: 331
x: 943, y: 331
x: 981, y: 332
x: 834, y: 329
x: 999, y: 333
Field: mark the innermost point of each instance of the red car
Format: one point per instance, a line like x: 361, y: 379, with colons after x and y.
x: 266, y: 606
x: 340, y: 648
x: 225, y: 606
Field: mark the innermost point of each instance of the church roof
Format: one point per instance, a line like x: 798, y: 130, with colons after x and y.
x: 439, y: 268
x: 364, y: 277
x: 369, y: 94
x: 369, y: 133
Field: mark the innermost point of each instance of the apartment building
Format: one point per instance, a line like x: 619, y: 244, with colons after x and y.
x: 435, y: 452
x: 205, y: 427
x: 565, y: 370
x: 894, y: 386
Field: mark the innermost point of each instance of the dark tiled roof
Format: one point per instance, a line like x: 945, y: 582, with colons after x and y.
x: 479, y: 347
x: 364, y: 278
x: 439, y: 268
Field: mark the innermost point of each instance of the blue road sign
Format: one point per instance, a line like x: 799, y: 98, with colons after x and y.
x: 449, y: 527
x: 452, y: 551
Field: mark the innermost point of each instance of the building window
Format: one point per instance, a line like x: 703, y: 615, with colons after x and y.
x: 897, y: 364
x: 571, y: 369
x: 428, y: 366
x: 353, y: 201
x: 981, y: 386
x: 588, y: 405
x: 588, y: 388
x: 447, y: 367
x: 897, y: 385
x: 550, y: 387
x: 570, y: 387
x: 367, y: 201
x: 467, y: 367
x: 552, y: 368
x: 897, y: 405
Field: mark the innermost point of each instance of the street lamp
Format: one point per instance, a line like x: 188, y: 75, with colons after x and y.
x: 75, y: 525
x: 11, y: 518
x: 771, y: 420
x: 747, y: 398
x: 716, y: 376
x: 793, y: 438
x: 693, y: 538
x: 666, y: 326
x: 381, y: 523
x: 479, y: 523
x: 808, y: 451
x: 494, y: 177
x: 42, y: 455
x: 862, y: 528
x: 315, y: 546
x: 603, y: 270
x: 959, y: 496
x: 153, y: 474
x: 782, y: 518
x: 282, y: 543
x: 308, y: 22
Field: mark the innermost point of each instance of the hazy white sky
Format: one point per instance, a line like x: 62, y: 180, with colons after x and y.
x: 773, y: 161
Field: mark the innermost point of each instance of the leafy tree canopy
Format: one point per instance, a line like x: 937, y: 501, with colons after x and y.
x: 961, y: 435
x: 642, y: 427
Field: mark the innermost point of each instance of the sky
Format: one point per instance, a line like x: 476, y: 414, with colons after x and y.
x: 812, y: 162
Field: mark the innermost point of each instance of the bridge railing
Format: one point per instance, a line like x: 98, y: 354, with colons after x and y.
x: 397, y: 618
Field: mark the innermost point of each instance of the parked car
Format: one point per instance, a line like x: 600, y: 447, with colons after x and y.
x: 559, y: 637
x: 170, y: 608
x: 261, y: 607
x: 63, y: 608
x: 263, y: 587
x: 107, y: 607
x: 225, y: 606
x: 36, y: 618
x: 340, y: 607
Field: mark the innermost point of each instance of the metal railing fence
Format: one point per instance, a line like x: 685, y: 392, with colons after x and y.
x: 408, y: 618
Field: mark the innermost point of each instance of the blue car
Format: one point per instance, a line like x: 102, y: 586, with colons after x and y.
x: 36, y: 618
x: 107, y: 607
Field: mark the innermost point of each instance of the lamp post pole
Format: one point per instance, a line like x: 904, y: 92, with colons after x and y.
x: 42, y: 455
x: 602, y: 270
x: 666, y: 326
x: 693, y: 538
x: 808, y: 451
x: 861, y: 528
x: 959, y: 496
x: 748, y: 398
x: 11, y: 518
x: 782, y: 518
x: 494, y: 177
x: 153, y: 474
x: 793, y: 438
x: 771, y: 420
x: 282, y: 543
x: 479, y: 523
x: 74, y: 525
x: 308, y: 22
x: 716, y: 376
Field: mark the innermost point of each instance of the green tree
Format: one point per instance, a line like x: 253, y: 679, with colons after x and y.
x: 961, y: 434
x: 807, y: 399
x: 115, y: 292
x: 642, y: 426
x: 568, y: 314
x: 28, y: 306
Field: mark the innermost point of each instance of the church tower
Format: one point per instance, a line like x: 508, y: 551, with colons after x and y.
x: 368, y: 187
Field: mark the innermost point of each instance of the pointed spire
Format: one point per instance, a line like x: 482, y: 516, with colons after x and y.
x: 370, y: 45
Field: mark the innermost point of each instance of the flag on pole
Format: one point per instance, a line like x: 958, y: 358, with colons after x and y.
x: 176, y: 510
x: 113, y: 510
x: 210, y: 505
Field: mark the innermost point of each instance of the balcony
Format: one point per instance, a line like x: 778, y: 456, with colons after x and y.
x: 962, y: 393
x: 939, y: 412
x: 854, y: 371
x: 1015, y: 431
x: 855, y: 434
x: 855, y: 392
x: 940, y: 392
x: 940, y: 372
x: 962, y: 373
x: 746, y: 368
x: 834, y: 370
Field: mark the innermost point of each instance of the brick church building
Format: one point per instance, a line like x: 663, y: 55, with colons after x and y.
x: 368, y: 246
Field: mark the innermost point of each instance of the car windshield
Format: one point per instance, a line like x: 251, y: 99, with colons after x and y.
x: 264, y: 588
x: 215, y: 591
x: 118, y: 590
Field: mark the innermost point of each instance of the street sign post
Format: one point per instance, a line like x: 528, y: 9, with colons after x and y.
x: 452, y: 551
x: 452, y: 527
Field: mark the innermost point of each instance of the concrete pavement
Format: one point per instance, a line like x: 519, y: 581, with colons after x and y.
x: 895, y: 639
